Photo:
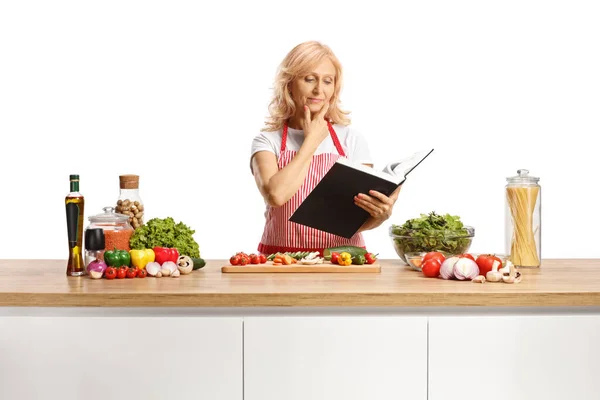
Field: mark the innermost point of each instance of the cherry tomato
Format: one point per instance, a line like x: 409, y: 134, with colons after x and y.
x: 436, y: 255
x: 110, y: 273
x: 254, y: 259
x: 485, y: 262
x: 262, y: 258
x: 466, y: 255
x: 142, y: 273
x: 121, y: 272
x: 431, y: 268
x: 244, y: 260
x: 234, y: 260
x: 131, y: 272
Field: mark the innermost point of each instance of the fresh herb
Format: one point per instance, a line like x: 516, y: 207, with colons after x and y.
x: 432, y: 232
x: 165, y: 233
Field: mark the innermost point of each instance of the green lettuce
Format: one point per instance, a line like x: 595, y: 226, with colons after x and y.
x: 433, y: 232
x: 165, y: 233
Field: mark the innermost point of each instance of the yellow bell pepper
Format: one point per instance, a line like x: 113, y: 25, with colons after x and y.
x: 345, y: 258
x: 140, y: 258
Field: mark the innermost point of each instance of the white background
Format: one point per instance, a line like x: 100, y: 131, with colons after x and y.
x: 175, y: 91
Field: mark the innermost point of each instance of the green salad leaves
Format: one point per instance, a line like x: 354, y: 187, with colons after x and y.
x: 165, y: 233
x: 432, y: 232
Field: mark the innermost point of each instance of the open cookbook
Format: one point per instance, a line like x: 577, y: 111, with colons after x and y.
x: 330, y: 206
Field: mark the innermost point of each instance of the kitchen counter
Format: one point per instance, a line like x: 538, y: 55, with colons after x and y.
x: 42, y: 283
x: 345, y: 336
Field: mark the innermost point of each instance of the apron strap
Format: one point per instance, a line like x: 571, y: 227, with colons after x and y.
x: 334, y: 137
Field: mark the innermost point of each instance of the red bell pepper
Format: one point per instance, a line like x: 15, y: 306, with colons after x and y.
x: 370, y: 258
x: 163, y: 254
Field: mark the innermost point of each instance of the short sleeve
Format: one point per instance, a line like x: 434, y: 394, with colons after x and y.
x: 262, y: 143
x: 359, y: 150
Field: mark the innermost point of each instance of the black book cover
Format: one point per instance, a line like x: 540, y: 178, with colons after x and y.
x: 330, y: 206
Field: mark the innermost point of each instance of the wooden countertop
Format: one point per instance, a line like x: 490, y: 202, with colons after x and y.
x: 40, y: 283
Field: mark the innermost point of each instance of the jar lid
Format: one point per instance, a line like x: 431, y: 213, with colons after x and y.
x: 109, y: 217
x: 129, y: 181
x: 522, y: 177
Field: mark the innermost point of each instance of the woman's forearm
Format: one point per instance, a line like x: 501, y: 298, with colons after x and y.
x: 371, y: 223
x: 286, y: 182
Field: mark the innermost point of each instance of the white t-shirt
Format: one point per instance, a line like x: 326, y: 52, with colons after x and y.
x: 353, y: 143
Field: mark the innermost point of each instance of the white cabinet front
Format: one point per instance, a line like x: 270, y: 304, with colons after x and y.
x: 514, y: 357
x: 100, y: 358
x: 335, y: 357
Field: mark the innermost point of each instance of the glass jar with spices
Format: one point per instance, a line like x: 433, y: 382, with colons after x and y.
x: 130, y: 203
x: 523, y: 220
x: 117, y: 230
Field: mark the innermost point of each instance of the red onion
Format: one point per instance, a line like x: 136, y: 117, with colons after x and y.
x: 447, y: 269
x: 465, y: 268
x: 96, y: 269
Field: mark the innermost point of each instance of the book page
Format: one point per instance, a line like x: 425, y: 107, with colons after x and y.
x: 403, y: 167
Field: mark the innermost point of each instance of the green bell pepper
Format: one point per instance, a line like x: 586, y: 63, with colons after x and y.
x: 359, y: 259
x: 117, y: 258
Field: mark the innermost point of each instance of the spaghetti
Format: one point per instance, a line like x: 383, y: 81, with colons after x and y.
x: 523, y: 249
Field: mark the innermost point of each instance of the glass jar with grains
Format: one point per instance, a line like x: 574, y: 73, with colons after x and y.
x: 117, y: 230
x: 130, y: 203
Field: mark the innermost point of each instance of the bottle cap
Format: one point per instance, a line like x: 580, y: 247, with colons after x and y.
x: 94, y: 239
x: 129, y: 181
x: 74, y: 177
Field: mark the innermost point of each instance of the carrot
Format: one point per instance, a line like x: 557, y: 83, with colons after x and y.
x: 287, y: 260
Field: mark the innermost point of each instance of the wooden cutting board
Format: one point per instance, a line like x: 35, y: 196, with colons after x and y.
x: 325, y: 267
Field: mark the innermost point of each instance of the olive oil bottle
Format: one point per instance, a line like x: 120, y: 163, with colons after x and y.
x: 74, y: 205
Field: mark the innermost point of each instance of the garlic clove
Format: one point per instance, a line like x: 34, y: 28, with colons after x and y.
x: 175, y: 274
x: 494, y: 276
x: 479, y: 279
x: 165, y: 271
x: 159, y: 274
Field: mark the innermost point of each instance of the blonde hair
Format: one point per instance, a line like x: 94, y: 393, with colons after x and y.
x: 298, y: 62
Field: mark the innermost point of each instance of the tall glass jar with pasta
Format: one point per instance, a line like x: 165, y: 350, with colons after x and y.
x: 524, y: 220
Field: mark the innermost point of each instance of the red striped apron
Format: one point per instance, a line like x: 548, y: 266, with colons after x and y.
x: 281, y: 235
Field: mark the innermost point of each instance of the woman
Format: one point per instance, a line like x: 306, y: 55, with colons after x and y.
x: 305, y: 135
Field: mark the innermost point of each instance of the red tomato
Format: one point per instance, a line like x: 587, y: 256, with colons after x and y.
x: 234, y: 260
x: 121, y: 272
x: 431, y: 268
x: 485, y: 262
x: 142, y: 273
x: 131, y: 272
x: 110, y: 273
x: 262, y: 258
x: 254, y: 259
x: 244, y: 260
x: 435, y: 255
x: 466, y: 255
